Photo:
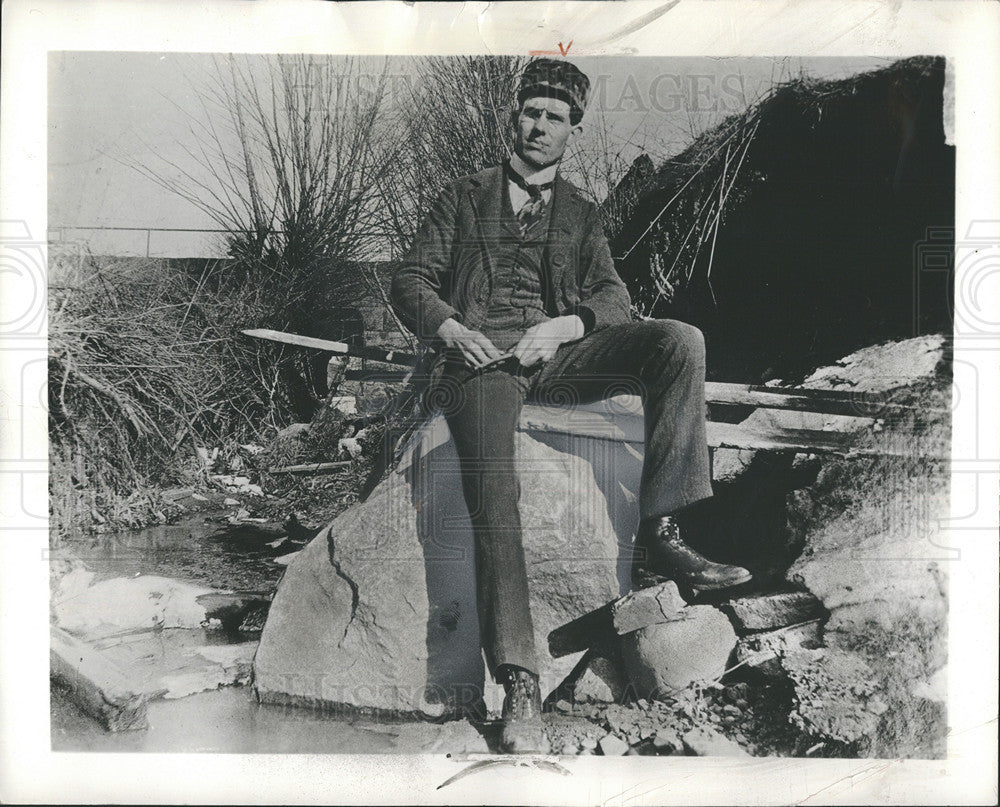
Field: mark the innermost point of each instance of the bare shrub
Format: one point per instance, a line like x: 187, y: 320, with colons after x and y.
x: 290, y: 154
x: 455, y: 120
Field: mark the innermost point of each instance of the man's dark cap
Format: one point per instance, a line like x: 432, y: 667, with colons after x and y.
x: 555, y: 78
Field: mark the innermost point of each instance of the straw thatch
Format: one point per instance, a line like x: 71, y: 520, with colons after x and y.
x: 780, y: 223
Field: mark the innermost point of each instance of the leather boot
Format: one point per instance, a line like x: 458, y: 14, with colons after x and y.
x: 661, y: 554
x: 523, y: 732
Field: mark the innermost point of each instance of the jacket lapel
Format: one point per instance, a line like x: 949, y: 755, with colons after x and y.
x: 559, y: 254
x: 485, y: 196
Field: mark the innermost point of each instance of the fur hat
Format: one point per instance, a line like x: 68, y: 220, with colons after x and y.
x: 555, y: 78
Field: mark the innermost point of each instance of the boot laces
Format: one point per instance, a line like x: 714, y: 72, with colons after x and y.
x: 520, y: 693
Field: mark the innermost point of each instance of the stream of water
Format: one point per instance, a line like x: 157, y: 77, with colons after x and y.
x: 229, y: 719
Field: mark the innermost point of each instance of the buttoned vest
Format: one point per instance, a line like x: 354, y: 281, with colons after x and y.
x: 516, y: 300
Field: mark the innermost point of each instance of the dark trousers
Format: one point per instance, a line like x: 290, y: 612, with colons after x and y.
x: 661, y: 360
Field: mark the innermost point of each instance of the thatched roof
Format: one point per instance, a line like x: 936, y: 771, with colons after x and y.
x: 804, y: 128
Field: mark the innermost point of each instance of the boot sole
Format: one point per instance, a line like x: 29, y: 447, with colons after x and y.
x: 650, y: 579
x: 720, y: 586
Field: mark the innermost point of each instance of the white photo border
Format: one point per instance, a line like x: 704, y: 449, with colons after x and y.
x: 966, y: 33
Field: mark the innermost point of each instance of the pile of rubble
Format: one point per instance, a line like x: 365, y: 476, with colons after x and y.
x: 654, y: 676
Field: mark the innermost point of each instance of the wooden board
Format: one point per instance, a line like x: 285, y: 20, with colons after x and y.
x: 311, y: 467
x: 802, y: 399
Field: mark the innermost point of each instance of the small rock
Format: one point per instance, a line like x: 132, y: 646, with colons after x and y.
x: 570, y: 750
x: 350, y: 446
x: 642, y: 703
x: 611, y: 746
x: 346, y: 404
x: 736, y: 691
x: 597, y: 678
x: 731, y: 710
x: 588, y: 743
x: 254, y: 621
x: 665, y: 739
x: 704, y: 742
x: 230, y: 502
x: 563, y: 705
x: 647, y: 606
x: 728, y: 464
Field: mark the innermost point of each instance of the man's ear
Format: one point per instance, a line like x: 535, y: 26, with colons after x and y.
x: 574, y: 133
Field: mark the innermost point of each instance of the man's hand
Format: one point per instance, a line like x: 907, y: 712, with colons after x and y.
x: 475, y: 347
x: 541, y: 342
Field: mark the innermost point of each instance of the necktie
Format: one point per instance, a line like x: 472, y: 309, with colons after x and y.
x: 531, y: 211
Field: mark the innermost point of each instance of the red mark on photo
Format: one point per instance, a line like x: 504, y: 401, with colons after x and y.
x: 561, y: 52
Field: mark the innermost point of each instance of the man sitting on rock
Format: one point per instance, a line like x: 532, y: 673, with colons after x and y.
x: 511, y: 278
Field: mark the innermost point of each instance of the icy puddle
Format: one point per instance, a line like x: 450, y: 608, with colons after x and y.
x: 229, y: 720
x: 137, y: 605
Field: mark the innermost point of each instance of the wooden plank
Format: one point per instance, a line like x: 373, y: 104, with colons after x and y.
x: 594, y: 423
x: 627, y: 427
x: 802, y: 399
x: 806, y: 441
x: 310, y: 468
x: 771, y: 611
x: 95, y: 684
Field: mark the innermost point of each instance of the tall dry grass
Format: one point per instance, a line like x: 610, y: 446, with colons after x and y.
x: 146, y: 365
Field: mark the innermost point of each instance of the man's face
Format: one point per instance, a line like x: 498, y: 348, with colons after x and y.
x: 543, y: 131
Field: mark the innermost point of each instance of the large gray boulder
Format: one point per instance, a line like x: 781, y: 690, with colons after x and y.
x: 378, y: 611
x: 692, y: 647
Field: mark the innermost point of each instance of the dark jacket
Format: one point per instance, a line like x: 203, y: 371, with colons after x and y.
x: 448, y: 270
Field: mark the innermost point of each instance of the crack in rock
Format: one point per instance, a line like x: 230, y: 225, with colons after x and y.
x: 355, y: 593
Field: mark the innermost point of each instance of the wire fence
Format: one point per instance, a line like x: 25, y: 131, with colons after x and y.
x: 148, y: 242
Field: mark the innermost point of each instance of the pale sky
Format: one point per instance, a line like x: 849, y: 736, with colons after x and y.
x: 106, y: 108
